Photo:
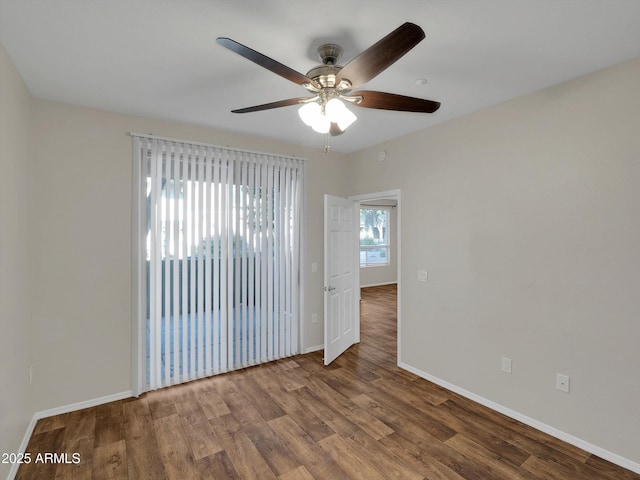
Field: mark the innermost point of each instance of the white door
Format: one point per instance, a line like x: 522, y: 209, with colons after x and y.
x: 341, y: 307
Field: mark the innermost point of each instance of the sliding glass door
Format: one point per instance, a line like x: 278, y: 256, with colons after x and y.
x: 221, y: 258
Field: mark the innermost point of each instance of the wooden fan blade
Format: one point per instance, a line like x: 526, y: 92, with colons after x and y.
x: 267, y: 106
x: 392, y: 101
x: 264, y: 61
x: 381, y: 55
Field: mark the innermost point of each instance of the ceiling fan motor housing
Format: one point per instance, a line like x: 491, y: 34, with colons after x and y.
x: 330, y: 53
x: 325, y: 74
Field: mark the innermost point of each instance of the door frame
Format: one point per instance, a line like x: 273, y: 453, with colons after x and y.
x: 385, y: 195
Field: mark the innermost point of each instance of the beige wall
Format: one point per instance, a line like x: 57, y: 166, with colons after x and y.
x: 527, y: 217
x: 16, y: 405
x: 81, y: 235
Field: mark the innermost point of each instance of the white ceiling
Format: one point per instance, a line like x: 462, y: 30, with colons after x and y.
x: 159, y: 58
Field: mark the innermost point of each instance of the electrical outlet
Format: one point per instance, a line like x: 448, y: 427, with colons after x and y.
x: 562, y: 382
x: 506, y: 365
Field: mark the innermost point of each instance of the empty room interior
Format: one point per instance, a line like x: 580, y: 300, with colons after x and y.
x: 297, y: 240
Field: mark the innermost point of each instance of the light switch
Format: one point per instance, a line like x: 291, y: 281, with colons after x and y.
x: 314, y: 267
x: 506, y: 365
x: 423, y: 276
x: 562, y: 382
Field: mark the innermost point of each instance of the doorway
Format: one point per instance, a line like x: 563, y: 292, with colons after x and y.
x: 388, y: 198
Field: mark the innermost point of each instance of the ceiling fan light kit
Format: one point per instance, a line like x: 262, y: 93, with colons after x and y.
x: 321, y: 116
x: 331, y: 84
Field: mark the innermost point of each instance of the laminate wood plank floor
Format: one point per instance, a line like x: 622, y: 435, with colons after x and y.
x: 360, y: 418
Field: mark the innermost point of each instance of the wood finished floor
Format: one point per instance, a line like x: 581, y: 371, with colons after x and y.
x: 360, y: 418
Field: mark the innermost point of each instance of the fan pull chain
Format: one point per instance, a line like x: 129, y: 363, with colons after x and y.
x: 327, y: 146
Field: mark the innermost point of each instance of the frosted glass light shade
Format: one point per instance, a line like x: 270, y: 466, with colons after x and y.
x: 346, y: 118
x: 321, y: 124
x: 339, y: 113
x: 334, y: 109
x: 309, y: 113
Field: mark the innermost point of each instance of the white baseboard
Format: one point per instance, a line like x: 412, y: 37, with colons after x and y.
x: 58, y: 411
x: 80, y: 405
x: 543, y: 427
x: 23, y: 447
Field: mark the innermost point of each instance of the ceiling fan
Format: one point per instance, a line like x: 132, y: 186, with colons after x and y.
x: 330, y: 84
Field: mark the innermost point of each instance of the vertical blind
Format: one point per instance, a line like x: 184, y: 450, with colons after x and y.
x: 221, y: 257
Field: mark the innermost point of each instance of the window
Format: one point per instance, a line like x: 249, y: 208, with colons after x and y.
x: 374, y: 236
